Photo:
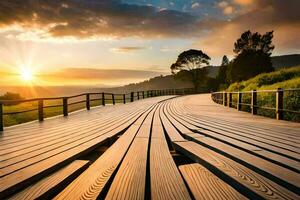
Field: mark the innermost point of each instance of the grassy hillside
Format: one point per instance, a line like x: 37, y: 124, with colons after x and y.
x: 283, y: 78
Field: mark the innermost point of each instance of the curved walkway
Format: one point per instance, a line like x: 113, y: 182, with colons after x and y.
x: 169, y: 147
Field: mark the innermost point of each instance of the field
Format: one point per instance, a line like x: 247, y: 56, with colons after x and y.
x: 285, y: 79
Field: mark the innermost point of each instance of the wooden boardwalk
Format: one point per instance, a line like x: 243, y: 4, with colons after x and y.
x: 168, y: 147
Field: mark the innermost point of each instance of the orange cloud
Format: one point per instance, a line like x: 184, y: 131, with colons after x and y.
x: 244, y: 2
x: 127, y: 49
x: 275, y: 15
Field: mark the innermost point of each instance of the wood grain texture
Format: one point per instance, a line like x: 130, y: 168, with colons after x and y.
x: 130, y: 180
x: 166, y: 181
x: 235, y: 172
x: 236, y: 155
x: 88, y: 129
x: 170, y: 129
x: 46, y: 187
x: 205, y: 185
x: 279, y: 155
x: 263, y: 166
x: 91, y: 183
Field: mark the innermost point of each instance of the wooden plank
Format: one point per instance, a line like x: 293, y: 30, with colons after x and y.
x: 50, y: 185
x: 23, y: 176
x: 205, y: 185
x: 92, y: 182
x: 232, y: 116
x: 254, y: 130
x: 246, y: 181
x: 170, y: 129
x: 66, y: 139
x: 281, y: 175
x: 92, y: 135
x: 166, y: 181
x: 130, y: 180
x: 23, y: 129
x: 271, y: 140
x: 248, y: 144
x: 68, y: 126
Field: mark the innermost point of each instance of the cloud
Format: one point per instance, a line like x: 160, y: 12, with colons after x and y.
x: 223, y: 4
x: 93, y: 19
x: 99, y: 74
x: 127, y: 49
x: 243, y: 2
x: 226, y: 8
x: 277, y: 15
x: 110, y: 19
x: 195, y: 5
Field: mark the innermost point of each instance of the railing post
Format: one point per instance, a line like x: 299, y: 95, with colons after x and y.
x: 143, y: 95
x: 1, y: 117
x: 40, y: 110
x: 103, y: 99
x: 138, y: 95
x: 253, y: 102
x: 124, y: 98
x: 132, y: 96
x: 279, y: 104
x: 88, y: 107
x: 65, y: 106
x: 224, y: 98
x: 239, y: 101
x: 113, y: 99
x: 229, y: 99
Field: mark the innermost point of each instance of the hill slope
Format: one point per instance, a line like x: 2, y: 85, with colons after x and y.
x: 285, y: 61
x: 283, y: 78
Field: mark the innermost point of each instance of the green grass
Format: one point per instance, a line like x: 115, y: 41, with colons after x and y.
x: 285, y: 79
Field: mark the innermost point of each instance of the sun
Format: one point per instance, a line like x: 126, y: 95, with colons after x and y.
x: 26, y: 75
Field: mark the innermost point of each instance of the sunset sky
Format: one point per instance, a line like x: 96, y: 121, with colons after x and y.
x: 114, y: 42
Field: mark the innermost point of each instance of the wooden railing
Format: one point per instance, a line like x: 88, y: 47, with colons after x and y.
x: 280, y: 103
x: 85, y: 98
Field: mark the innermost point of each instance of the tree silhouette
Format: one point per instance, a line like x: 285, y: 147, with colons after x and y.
x: 254, y: 42
x: 253, y: 56
x: 189, y: 65
x: 221, y: 77
x: 225, y: 61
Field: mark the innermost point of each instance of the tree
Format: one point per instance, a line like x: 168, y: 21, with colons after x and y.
x: 253, y: 52
x: 248, y: 64
x: 225, y: 61
x: 254, y: 42
x: 221, y: 77
x: 11, y: 96
x: 189, y: 66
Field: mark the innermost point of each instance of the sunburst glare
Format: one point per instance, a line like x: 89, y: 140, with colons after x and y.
x: 27, y: 74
